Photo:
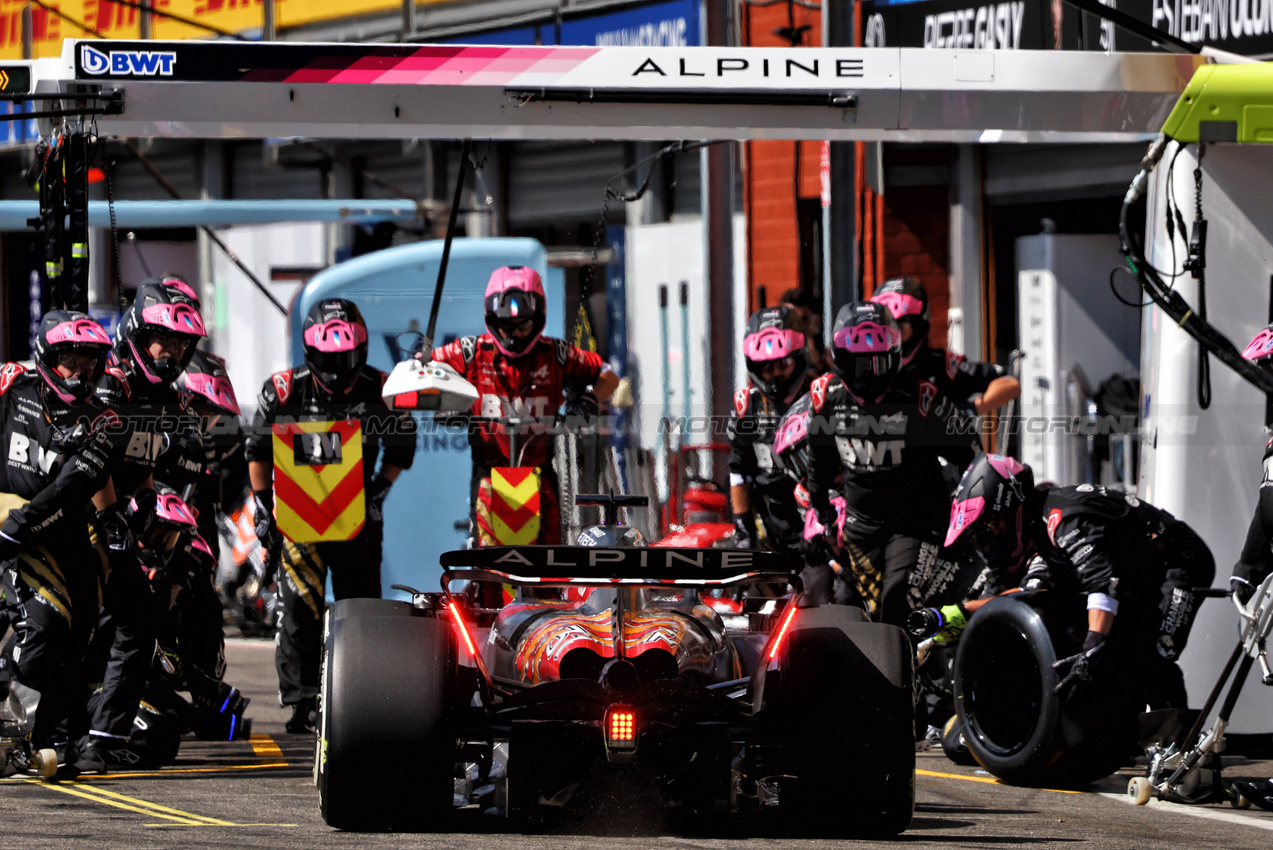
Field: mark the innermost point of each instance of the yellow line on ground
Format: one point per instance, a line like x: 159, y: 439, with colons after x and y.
x: 75, y: 792
x: 264, y: 746
x: 182, y: 825
x: 158, y: 808
x: 990, y: 780
x: 184, y: 770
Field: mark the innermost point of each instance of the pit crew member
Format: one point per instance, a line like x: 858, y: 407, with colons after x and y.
x: 761, y: 492
x: 1135, y: 563
x: 960, y: 379
x: 335, y: 384
x: 520, y: 372
x: 153, y: 344
x: 56, y: 457
x: 877, y: 446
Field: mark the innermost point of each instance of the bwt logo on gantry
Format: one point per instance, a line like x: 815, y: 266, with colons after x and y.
x: 128, y: 63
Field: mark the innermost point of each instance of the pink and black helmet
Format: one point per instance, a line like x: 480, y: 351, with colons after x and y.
x: 158, y: 309
x: 335, y: 342
x: 867, y: 348
x: 178, y: 283
x: 167, y: 516
x: 907, y: 300
x: 65, y: 332
x: 776, y: 333
x: 514, y: 294
x: 208, y: 384
x: 1260, y: 349
x: 993, y: 486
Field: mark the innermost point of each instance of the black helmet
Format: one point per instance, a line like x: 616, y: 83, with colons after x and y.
x: 776, y: 333
x: 611, y: 537
x: 867, y: 345
x: 64, y: 332
x: 908, y: 302
x: 335, y: 340
x: 158, y: 309
x: 993, y: 486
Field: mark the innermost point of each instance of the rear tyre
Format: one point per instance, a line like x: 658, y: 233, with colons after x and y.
x: 842, y: 709
x: 1014, y: 725
x: 385, y: 757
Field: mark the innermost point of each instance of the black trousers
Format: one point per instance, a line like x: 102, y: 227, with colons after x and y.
x: 1165, y: 616
x: 355, y: 572
x: 876, y: 573
x: 51, y: 600
x: 123, y: 647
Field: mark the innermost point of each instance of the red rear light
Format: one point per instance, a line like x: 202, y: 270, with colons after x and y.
x: 462, y: 628
x: 775, y: 643
x: 406, y: 400
x: 621, y: 728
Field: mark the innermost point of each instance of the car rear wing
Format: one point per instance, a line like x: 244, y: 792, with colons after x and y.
x: 602, y: 567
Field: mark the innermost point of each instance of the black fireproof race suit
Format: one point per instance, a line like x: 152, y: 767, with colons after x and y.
x: 1256, y: 561
x: 294, y: 396
x: 1132, y: 559
x: 120, y: 658
x: 883, y: 460
x: 52, y: 586
x: 752, y: 425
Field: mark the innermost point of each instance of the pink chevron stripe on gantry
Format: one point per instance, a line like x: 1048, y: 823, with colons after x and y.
x: 437, y: 65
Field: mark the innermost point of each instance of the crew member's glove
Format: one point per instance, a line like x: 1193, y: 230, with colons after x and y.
x: 943, y: 624
x: 263, y: 514
x: 376, y: 493
x: 119, y: 534
x: 581, y: 405
x: 1081, y: 666
x: 1242, y: 589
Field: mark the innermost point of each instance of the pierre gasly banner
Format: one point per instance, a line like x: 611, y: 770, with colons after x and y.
x: 318, y: 480
x: 1239, y: 26
x: 115, y: 20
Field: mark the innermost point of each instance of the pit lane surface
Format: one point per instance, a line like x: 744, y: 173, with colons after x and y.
x: 259, y: 794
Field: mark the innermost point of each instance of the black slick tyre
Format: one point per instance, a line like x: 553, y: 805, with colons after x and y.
x: 1014, y: 725
x: 842, y: 709
x: 385, y: 756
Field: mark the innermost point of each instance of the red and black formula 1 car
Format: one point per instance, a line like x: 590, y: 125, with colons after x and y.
x: 609, y: 662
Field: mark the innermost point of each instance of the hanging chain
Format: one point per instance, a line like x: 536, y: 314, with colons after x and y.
x: 1197, y: 264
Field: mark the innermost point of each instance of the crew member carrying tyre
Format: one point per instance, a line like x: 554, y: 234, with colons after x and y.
x: 56, y: 456
x: 520, y: 372
x: 1134, y: 562
x: 155, y: 341
x: 877, y: 445
x: 761, y: 492
x: 325, y: 415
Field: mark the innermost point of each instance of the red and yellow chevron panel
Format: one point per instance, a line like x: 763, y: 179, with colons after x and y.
x: 515, y: 515
x: 318, y: 480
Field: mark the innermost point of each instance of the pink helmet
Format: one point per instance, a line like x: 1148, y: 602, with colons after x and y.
x: 1260, y: 349
x: 994, y: 486
x: 513, y: 295
x: 64, y: 332
x: 208, y: 384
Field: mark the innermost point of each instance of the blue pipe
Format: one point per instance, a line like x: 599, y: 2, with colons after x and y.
x: 142, y: 214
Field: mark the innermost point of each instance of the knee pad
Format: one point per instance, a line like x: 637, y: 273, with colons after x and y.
x: 156, y: 736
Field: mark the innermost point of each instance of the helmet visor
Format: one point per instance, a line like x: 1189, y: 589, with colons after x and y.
x: 339, y: 363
